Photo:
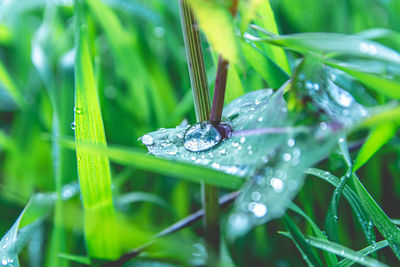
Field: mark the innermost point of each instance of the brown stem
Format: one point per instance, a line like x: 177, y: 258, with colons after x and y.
x: 219, y: 90
x: 220, y: 81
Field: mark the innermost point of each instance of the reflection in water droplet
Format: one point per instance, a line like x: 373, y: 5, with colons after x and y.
x: 258, y: 209
x: 147, y: 140
x: 73, y: 125
x: 201, y: 136
x: 277, y: 184
x: 78, y: 111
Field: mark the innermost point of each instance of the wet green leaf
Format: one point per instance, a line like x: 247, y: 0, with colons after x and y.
x: 378, y: 137
x: 21, y: 232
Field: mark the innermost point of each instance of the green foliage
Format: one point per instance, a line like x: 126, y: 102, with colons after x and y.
x: 94, y: 191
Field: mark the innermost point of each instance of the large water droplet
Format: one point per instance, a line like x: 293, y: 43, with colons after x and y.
x: 201, y: 136
x: 258, y: 209
x: 147, y: 140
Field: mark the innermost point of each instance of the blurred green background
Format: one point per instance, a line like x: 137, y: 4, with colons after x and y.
x: 141, y: 71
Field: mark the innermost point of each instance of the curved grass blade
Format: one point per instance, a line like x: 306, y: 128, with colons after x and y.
x: 334, y: 43
x: 353, y: 199
x: 21, y: 232
x: 93, y: 170
x: 379, y: 83
x: 268, y: 69
x: 365, y: 252
x: 385, y: 226
x: 330, y: 258
x: 378, y: 137
x: 343, y: 251
x: 139, y: 160
x: 299, y: 239
x: 9, y: 85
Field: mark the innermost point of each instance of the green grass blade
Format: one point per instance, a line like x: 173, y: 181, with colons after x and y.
x: 385, y: 226
x: 9, y: 85
x: 337, y: 44
x: 268, y: 69
x: 364, y: 252
x: 139, y: 160
x: 343, y: 252
x: 298, y: 237
x: 379, y: 83
x: 378, y: 137
x: 93, y: 170
x: 352, y: 198
x: 217, y: 24
x: 330, y: 258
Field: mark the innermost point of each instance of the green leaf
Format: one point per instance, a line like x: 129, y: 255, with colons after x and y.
x: 384, y: 225
x: 353, y: 199
x: 8, y: 84
x: 364, y: 252
x: 330, y: 258
x: 24, y: 227
x: 93, y: 170
x: 267, y: 68
x: 217, y: 24
x: 75, y: 258
x: 377, y: 82
x: 343, y: 251
x: 298, y: 237
x: 378, y: 137
x: 338, y: 44
x: 261, y: 12
x: 139, y: 160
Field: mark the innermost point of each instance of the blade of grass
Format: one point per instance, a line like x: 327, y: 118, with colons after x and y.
x: 385, y: 226
x: 93, y: 170
x: 364, y: 252
x: 378, y: 137
x: 140, y: 161
x: 330, y: 258
x: 9, y: 85
x: 353, y: 199
x: 268, y: 69
x: 310, y: 256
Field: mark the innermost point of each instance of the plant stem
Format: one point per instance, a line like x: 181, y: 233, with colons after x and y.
x: 201, y: 98
x: 220, y: 81
x: 219, y: 91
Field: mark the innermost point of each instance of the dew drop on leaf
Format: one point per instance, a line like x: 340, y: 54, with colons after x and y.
x: 201, y: 136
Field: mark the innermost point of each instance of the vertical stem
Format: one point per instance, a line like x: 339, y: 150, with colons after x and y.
x: 219, y: 90
x: 201, y: 98
x: 220, y: 81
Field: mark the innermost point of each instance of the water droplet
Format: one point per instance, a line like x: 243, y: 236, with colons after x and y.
x: 201, y: 136
x: 159, y: 31
x: 256, y: 196
x: 242, y: 139
x: 78, y: 111
x: 73, y: 125
x: 291, y: 142
x: 239, y: 221
x: 309, y: 85
x: 215, y: 165
x: 316, y: 86
x: 341, y: 140
x: 179, y: 135
x: 287, y: 157
x: 341, y: 96
x: 147, y: 140
x: 250, y: 152
x: 260, y: 119
x: 235, y: 144
x: 4, y: 261
x: 222, y: 152
x: 171, y: 150
x: 277, y: 184
x: 258, y: 209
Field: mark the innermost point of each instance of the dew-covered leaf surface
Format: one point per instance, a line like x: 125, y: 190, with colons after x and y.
x: 24, y: 227
x: 269, y: 145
